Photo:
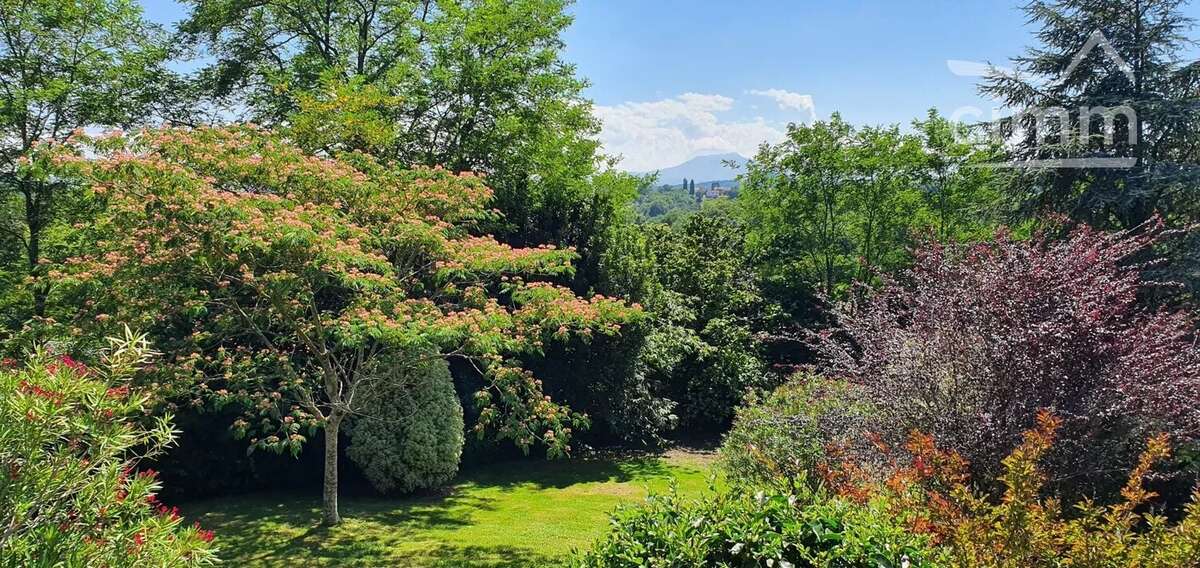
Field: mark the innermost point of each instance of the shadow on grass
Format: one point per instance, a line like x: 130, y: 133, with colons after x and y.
x: 559, y: 474
x: 490, y: 556
x: 285, y: 529
x: 277, y: 529
x: 325, y: 546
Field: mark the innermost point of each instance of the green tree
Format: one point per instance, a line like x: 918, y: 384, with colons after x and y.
x: 64, y: 65
x: 408, y: 433
x: 292, y: 286
x: 833, y: 204
x: 471, y: 85
x: 882, y: 198
x: 795, y: 201
x: 962, y: 194
x: 702, y: 349
x: 1151, y: 102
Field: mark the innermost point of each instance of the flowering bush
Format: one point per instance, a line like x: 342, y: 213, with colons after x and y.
x: 973, y: 341
x: 409, y: 433
x: 69, y: 491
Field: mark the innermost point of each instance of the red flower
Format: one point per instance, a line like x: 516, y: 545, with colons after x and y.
x: 40, y: 392
x: 74, y: 365
x: 205, y: 535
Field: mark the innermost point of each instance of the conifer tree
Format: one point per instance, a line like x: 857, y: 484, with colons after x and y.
x: 1114, y: 70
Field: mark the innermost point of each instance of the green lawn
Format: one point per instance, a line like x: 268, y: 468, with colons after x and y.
x: 519, y: 514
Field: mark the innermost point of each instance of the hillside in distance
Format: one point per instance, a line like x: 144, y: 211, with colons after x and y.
x: 702, y: 169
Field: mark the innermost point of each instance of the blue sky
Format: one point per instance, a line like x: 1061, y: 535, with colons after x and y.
x: 673, y: 79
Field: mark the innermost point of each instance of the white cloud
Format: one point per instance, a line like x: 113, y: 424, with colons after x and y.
x: 788, y: 100
x: 659, y: 134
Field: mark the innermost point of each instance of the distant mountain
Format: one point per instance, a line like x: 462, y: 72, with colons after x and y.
x: 703, y: 169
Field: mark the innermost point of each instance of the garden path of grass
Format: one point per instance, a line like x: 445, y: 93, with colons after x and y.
x: 508, y: 515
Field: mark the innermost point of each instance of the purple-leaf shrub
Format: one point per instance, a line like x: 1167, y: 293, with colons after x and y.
x: 972, y: 341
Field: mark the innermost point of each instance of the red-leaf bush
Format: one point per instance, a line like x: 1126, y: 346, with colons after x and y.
x: 971, y: 342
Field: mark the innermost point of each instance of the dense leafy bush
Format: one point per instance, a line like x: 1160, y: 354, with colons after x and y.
x: 602, y: 377
x: 919, y: 505
x: 781, y: 440
x: 929, y: 488
x: 702, y: 351
x: 973, y: 341
x: 409, y: 434
x: 69, y: 443
x: 765, y: 529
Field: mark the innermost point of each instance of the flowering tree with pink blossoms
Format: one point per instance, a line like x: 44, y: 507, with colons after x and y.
x: 292, y: 284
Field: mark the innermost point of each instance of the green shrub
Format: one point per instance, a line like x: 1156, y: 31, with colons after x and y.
x: 409, y: 434
x: 69, y: 492
x: 781, y: 440
x: 703, y: 349
x: 767, y: 529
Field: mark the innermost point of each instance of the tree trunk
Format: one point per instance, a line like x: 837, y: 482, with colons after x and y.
x: 33, y: 252
x: 330, y: 497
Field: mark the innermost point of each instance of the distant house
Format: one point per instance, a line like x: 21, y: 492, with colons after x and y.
x: 714, y: 191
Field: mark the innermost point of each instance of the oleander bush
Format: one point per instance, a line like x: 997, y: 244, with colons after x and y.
x: 781, y: 440
x: 71, y: 493
x: 409, y: 434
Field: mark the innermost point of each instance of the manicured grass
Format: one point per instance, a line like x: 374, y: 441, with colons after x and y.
x: 518, y: 514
